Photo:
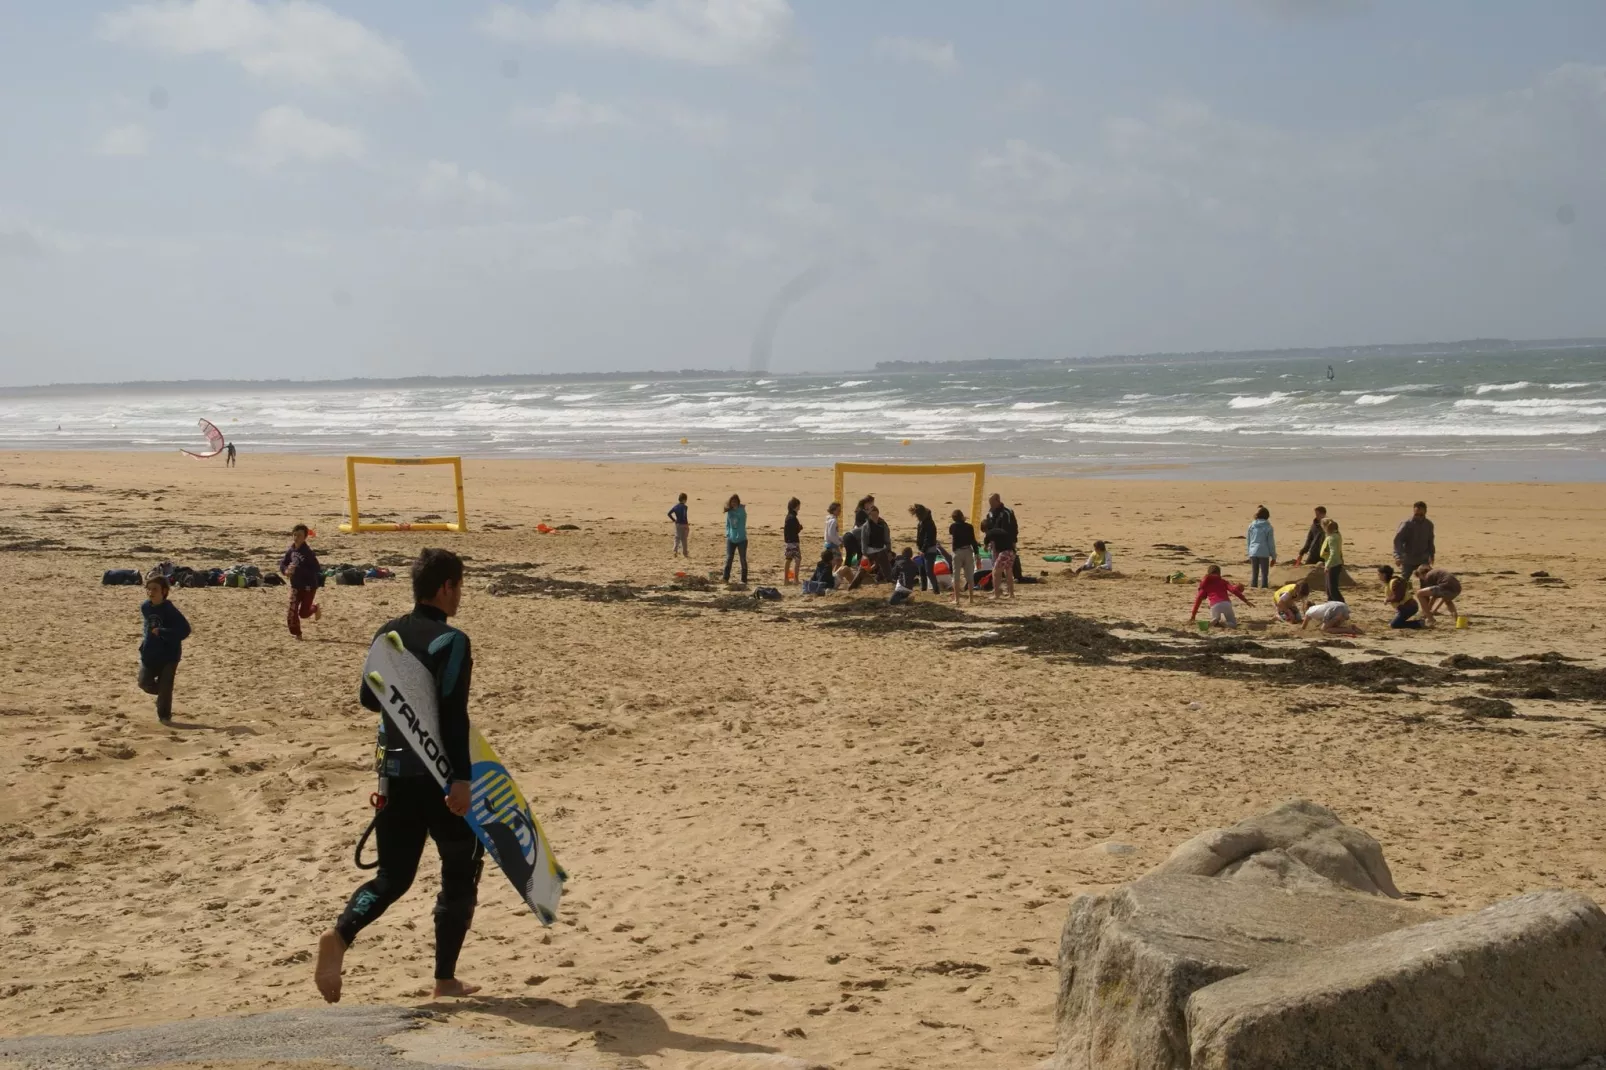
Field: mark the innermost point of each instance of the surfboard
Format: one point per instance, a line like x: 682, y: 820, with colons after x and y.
x: 498, y: 812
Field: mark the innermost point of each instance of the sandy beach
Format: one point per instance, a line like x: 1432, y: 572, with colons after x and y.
x: 814, y: 829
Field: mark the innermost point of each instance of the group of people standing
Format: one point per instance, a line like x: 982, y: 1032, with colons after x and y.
x: 853, y: 554
x: 1414, y: 556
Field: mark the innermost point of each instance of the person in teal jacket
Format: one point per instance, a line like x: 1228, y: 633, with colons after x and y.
x: 735, y: 535
x: 1261, y: 548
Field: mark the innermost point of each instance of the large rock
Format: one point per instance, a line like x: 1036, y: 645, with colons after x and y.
x: 1519, y: 986
x: 1297, y: 845
x: 1130, y: 959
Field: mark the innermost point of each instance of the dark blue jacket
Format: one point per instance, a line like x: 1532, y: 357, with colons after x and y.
x: 162, y: 640
x: 302, y: 565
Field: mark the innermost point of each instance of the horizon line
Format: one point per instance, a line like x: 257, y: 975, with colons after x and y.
x: 882, y: 367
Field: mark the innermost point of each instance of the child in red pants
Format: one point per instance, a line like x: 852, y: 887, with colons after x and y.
x: 301, y: 570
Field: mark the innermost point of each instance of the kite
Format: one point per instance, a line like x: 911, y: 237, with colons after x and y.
x: 213, y: 435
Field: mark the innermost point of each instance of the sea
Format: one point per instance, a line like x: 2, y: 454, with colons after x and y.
x: 1501, y: 412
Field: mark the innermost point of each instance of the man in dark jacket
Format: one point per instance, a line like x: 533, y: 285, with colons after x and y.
x: 1311, y: 551
x: 414, y: 808
x: 1413, y: 541
x: 1002, y: 531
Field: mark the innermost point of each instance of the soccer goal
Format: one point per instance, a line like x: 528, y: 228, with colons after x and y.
x: 356, y: 525
x: 976, y: 472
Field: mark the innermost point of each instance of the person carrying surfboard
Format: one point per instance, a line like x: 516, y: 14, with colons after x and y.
x: 414, y: 808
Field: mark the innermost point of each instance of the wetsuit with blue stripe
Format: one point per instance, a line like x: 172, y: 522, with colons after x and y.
x: 416, y: 805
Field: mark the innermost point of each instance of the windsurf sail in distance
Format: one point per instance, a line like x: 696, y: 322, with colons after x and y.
x: 213, y: 435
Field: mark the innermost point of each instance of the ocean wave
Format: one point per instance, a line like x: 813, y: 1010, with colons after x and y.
x: 1231, y: 380
x: 854, y: 382
x: 1251, y: 401
x: 1375, y: 399
x: 1537, y: 406
x: 1501, y: 388
x: 574, y: 397
x: 1024, y: 405
x: 1570, y: 386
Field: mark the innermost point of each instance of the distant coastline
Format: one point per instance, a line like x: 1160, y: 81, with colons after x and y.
x: 888, y: 367
x: 1426, y: 349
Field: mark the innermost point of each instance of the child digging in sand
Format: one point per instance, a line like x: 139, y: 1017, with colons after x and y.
x: 1220, y: 593
x: 1292, y: 598
x: 1332, y: 617
x: 301, y: 570
x: 1397, y: 593
x: 1099, y: 560
x: 161, y: 644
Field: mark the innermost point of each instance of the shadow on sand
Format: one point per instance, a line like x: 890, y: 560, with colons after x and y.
x: 628, y: 1028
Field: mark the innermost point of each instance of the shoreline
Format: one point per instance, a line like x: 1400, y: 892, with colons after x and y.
x: 1535, y: 467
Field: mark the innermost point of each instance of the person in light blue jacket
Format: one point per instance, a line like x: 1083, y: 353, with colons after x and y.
x: 735, y: 535
x: 1261, y: 547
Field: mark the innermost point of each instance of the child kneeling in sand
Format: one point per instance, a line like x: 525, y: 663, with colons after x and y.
x: 1220, y: 593
x: 161, y: 644
x: 1292, y: 598
x: 1397, y: 593
x: 1332, y: 617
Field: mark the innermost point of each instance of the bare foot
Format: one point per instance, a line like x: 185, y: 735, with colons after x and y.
x: 454, y: 987
x: 331, y: 954
x: 317, y: 612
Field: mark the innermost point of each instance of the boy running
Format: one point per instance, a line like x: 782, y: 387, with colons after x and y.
x: 300, y: 567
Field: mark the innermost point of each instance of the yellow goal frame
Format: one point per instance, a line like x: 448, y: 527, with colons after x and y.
x: 977, y: 473
x: 355, y: 524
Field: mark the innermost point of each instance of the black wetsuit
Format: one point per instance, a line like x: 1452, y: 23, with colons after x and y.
x: 416, y: 806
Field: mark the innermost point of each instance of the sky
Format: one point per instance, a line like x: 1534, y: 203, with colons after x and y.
x: 287, y: 188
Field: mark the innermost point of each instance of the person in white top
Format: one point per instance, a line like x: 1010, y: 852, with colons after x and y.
x: 1333, y: 617
x: 833, y: 529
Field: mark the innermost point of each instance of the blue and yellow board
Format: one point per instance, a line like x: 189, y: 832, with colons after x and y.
x: 498, y: 812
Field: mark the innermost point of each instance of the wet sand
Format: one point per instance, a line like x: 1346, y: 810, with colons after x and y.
x: 794, y: 830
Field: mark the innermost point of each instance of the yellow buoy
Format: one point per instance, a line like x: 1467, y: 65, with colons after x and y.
x: 905, y: 442
x: 682, y: 442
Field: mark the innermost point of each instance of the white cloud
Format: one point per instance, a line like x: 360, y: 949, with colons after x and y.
x: 286, y: 134
x: 293, y: 42
x: 447, y: 182
x: 129, y: 140
x: 707, y: 33
x: 708, y: 128
x: 938, y: 55
x: 569, y: 111
x: 20, y: 244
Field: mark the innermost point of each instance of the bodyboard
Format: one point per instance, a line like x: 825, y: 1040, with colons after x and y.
x: 498, y: 812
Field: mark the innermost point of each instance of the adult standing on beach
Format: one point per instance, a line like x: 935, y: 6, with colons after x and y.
x: 414, y: 808
x: 1260, y: 546
x: 926, y: 542
x: 735, y: 535
x: 962, y: 537
x: 1413, y: 541
x: 1002, y: 533
x: 1311, y: 551
x: 228, y: 461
